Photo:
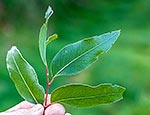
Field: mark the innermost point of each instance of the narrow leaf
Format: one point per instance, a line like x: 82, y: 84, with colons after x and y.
x: 24, y: 77
x: 76, y: 57
x: 80, y: 95
x: 43, y: 36
x: 51, y: 38
x: 42, y: 43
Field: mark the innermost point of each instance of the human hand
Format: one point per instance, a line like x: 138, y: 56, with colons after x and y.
x: 26, y: 108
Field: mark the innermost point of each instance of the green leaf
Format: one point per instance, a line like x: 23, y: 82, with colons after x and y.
x: 24, y: 77
x: 80, y: 95
x: 76, y: 57
x: 51, y: 38
x: 43, y: 36
x: 42, y: 43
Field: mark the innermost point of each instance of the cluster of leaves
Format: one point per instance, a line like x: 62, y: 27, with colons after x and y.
x: 70, y: 60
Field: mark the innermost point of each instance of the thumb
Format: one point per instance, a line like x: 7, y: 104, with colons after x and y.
x: 55, y: 109
x: 35, y: 110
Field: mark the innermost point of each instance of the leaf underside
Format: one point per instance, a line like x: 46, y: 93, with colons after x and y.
x: 24, y: 77
x: 80, y: 95
x: 43, y: 36
x: 76, y: 57
x: 42, y: 43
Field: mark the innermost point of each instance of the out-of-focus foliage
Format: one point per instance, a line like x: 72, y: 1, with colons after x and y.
x: 127, y: 64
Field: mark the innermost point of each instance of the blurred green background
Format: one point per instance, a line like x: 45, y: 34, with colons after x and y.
x: 126, y: 64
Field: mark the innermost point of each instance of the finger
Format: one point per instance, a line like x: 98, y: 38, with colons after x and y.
x: 55, y: 109
x: 35, y: 110
x: 22, y: 105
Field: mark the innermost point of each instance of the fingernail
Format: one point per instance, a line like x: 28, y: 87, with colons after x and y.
x: 37, y: 107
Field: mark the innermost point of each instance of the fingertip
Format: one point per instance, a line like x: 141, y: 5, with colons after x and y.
x: 22, y: 105
x: 35, y: 110
x: 55, y: 109
x: 38, y: 109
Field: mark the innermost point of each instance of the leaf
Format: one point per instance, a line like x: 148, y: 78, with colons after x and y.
x: 42, y: 43
x: 76, y: 57
x: 24, y: 77
x: 51, y: 38
x: 80, y: 95
x: 43, y: 36
x: 48, y: 14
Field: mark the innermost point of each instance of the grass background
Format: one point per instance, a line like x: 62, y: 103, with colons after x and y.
x: 126, y: 64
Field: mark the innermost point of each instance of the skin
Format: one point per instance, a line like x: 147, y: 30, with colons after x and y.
x: 27, y: 108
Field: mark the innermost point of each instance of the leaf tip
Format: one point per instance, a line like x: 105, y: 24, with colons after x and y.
x: 122, y: 90
x: 118, y: 86
x: 48, y: 13
x: 119, y: 30
x: 117, y: 33
x: 13, y: 48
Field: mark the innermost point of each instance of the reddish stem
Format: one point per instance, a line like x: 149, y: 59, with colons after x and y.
x: 48, y: 84
x: 47, y: 74
x: 46, y: 97
x: 48, y: 105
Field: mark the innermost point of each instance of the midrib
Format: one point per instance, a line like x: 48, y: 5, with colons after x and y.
x: 82, y: 55
x: 89, y: 97
x: 24, y: 80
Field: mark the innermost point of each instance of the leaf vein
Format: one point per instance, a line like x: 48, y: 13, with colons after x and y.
x: 24, y: 79
x: 82, y: 55
x: 88, y: 97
